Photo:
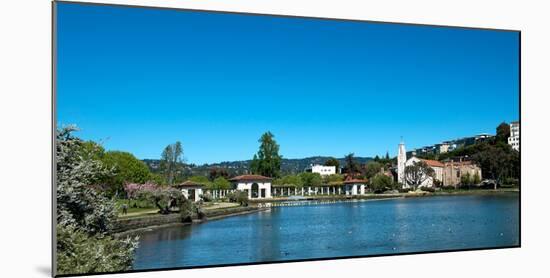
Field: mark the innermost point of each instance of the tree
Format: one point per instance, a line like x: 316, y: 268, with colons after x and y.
x: 371, y: 169
x: 311, y: 179
x: 221, y: 183
x: 387, y: 157
x: 267, y: 162
x: 217, y: 172
x: 333, y: 162
x: 503, y: 132
x: 476, y: 179
x: 85, y: 217
x: 465, y: 180
x: 417, y: 173
x: 380, y: 183
x: 294, y: 180
x: 80, y: 253
x: 171, y: 160
x: 352, y: 166
x: 127, y: 169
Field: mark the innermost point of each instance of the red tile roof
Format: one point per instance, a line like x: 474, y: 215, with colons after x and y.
x: 433, y: 163
x: 250, y: 178
x: 189, y: 184
x: 355, y: 181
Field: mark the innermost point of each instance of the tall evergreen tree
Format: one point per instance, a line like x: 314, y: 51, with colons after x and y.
x: 267, y: 162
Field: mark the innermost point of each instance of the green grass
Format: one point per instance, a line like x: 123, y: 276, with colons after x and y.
x: 135, y: 208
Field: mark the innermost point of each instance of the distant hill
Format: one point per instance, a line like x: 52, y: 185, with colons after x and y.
x: 288, y: 165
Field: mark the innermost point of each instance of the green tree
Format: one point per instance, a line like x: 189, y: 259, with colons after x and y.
x: 333, y: 162
x: 371, y: 169
x: 311, y: 179
x: 503, y: 132
x: 476, y: 179
x: 465, y: 180
x: 381, y: 183
x: 294, y: 180
x: 352, y: 166
x: 267, y: 162
x: 221, y: 183
x: 171, y: 161
x: 417, y: 173
x: 200, y: 179
x: 127, y: 169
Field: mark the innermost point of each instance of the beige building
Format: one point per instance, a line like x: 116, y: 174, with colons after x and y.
x: 453, y: 172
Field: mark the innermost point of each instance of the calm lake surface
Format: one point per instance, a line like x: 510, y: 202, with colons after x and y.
x: 338, y: 229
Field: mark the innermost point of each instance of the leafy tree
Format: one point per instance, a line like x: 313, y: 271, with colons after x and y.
x: 387, y: 158
x: 498, y: 161
x: 85, y: 217
x: 80, y: 253
x: 333, y: 162
x: 417, y: 173
x: 311, y: 179
x: 200, y: 179
x: 127, y: 169
x: 171, y: 161
x: 476, y: 179
x: 294, y: 180
x: 465, y: 179
x: 221, y: 183
x: 78, y: 203
x: 503, y: 132
x: 371, y: 169
x: 380, y: 183
x: 267, y: 162
x: 217, y: 172
x: 352, y: 166
x: 238, y: 196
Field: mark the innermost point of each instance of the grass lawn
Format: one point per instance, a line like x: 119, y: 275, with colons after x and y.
x: 143, y: 208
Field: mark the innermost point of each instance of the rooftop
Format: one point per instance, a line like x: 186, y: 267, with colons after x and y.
x: 189, y: 184
x: 250, y: 178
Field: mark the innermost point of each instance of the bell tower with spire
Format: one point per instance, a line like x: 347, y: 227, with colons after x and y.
x: 401, y: 159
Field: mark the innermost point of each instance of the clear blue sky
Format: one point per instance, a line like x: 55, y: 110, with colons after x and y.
x: 139, y: 79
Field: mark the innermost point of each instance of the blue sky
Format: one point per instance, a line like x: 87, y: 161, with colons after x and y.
x: 138, y: 79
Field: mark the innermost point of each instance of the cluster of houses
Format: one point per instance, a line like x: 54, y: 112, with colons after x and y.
x: 447, y: 173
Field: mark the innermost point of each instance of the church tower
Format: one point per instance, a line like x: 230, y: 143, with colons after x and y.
x: 401, y: 159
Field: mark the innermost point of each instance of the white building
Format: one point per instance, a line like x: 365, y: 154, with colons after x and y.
x: 402, y: 163
x: 322, y: 170
x: 191, y: 190
x: 401, y: 160
x: 355, y: 187
x: 513, y: 140
x: 427, y: 181
x: 256, y: 186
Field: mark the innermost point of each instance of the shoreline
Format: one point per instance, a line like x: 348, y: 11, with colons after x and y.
x: 372, y: 196
x: 210, y: 215
x: 256, y: 206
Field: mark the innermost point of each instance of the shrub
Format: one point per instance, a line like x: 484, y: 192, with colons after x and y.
x: 448, y: 187
x: 381, y: 183
x: 207, y: 197
x: 238, y: 196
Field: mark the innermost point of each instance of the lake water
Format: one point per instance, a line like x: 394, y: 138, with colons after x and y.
x: 339, y: 229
